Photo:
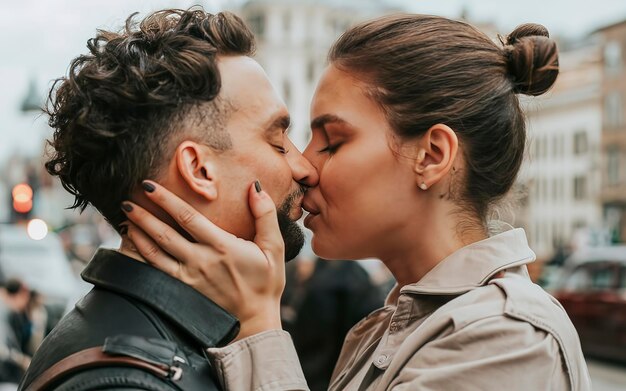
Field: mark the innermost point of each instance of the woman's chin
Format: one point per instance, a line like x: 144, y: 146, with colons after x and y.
x: 325, y: 250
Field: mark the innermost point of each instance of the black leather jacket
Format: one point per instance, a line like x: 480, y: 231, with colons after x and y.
x: 132, y: 298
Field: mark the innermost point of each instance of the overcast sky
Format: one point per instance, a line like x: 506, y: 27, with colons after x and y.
x: 39, y: 38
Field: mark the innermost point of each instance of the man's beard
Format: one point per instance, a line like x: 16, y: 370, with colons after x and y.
x: 291, y: 232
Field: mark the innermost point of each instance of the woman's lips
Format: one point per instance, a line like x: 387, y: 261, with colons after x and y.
x: 308, y: 219
x: 312, y: 212
x: 306, y: 205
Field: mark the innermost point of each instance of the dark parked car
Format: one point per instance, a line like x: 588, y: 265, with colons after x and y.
x: 592, y: 289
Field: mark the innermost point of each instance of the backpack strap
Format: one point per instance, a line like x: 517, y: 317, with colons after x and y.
x: 91, y: 358
x: 158, y: 357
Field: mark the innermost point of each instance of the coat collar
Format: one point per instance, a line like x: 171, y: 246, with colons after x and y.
x: 187, y: 308
x: 473, y: 265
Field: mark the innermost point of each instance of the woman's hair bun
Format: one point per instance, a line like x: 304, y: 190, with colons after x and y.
x: 532, y: 59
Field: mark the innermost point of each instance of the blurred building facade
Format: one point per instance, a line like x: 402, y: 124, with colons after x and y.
x: 576, y: 171
x: 612, y: 40
x: 562, y: 172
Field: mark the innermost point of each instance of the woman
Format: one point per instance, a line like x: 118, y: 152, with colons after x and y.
x: 417, y: 134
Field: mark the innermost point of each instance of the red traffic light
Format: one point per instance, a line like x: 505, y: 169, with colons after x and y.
x: 22, y: 198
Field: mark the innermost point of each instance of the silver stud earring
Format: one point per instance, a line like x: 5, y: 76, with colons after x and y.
x: 423, y: 186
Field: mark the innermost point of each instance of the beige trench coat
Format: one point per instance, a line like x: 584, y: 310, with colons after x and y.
x: 474, y: 322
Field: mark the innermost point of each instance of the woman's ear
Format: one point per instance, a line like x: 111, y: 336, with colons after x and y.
x: 195, y: 165
x: 436, y: 153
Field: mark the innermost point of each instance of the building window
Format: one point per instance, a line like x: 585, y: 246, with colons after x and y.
x: 287, y: 92
x: 555, y: 146
x: 580, y: 143
x: 310, y: 71
x: 580, y: 188
x: 537, y: 189
x: 613, y: 109
x: 613, y: 160
x: 287, y: 21
x: 256, y: 22
x: 613, y: 58
x: 556, y: 234
x: 541, y: 147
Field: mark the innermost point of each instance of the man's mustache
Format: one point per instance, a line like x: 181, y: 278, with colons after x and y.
x: 291, y: 198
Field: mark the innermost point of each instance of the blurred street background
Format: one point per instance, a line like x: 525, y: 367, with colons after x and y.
x: 570, y: 196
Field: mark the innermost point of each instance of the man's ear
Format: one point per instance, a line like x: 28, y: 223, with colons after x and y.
x: 195, y: 165
x: 436, y: 153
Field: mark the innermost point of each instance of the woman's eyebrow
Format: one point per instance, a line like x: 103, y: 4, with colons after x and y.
x: 322, y: 120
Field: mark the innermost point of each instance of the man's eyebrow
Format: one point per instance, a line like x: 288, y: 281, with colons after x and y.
x: 283, y: 122
x: 322, y: 120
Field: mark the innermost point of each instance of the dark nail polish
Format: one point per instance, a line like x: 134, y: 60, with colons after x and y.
x: 127, y: 207
x: 123, y: 230
x: 257, y: 186
x: 147, y: 186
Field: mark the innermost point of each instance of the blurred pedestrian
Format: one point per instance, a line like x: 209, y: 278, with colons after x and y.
x: 39, y: 322
x: 18, y: 297
x: 13, y: 361
x: 333, y: 298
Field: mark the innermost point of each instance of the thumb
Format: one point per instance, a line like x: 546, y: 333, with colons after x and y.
x: 268, y: 236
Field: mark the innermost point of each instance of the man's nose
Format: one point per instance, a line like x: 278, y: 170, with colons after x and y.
x: 302, y: 170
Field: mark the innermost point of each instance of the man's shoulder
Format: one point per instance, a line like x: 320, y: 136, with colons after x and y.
x: 130, y: 363
x: 114, y: 377
x: 97, y: 316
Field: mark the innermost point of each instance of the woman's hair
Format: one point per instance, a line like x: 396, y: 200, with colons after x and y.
x: 424, y: 70
x: 119, y: 112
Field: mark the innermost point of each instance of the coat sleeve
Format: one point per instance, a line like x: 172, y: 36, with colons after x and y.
x: 489, y: 354
x: 262, y: 362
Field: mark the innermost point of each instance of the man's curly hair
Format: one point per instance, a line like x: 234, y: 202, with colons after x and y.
x: 126, y: 105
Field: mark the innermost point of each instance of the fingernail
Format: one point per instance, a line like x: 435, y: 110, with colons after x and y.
x: 257, y: 186
x: 127, y: 207
x: 123, y: 230
x: 147, y: 186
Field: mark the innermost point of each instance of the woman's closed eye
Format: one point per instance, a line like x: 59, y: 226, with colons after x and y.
x: 330, y: 148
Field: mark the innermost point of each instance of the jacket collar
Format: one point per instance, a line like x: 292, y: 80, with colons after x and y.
x: 187, y: 308
x: 473, y: 265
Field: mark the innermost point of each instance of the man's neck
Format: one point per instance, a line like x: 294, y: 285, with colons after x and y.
x: 128, y: 248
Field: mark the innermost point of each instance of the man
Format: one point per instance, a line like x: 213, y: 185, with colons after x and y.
x: 175, y: 98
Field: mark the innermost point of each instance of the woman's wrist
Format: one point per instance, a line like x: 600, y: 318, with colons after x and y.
x: 258, y: 324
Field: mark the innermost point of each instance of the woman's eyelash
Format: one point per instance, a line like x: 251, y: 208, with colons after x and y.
x: 329, y: 149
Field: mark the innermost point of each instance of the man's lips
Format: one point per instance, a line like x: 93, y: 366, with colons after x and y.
x: 297, y: 214
x: 298, y: 209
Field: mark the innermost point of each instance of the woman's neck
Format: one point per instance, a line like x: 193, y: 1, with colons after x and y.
x: 421, y: 245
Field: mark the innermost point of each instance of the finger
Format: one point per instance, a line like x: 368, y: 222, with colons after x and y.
x: 161, y: 234
x: 197, y: 225
x: 267, y: 236
x: 151, y: 252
